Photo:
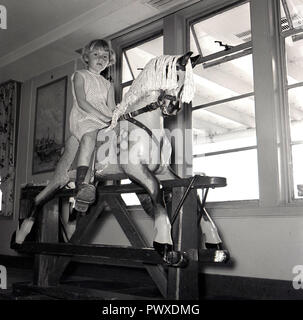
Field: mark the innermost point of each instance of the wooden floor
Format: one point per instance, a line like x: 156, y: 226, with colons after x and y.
x: 105, y: 287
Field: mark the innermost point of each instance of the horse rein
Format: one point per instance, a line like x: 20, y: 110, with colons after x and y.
x: 150, y: 107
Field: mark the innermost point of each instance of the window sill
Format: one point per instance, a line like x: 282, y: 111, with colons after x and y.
x: 246, y: 209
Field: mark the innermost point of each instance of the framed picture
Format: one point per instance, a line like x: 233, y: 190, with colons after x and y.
x: 49, y: 125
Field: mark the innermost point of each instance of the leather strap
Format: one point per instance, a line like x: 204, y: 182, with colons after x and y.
x: 150, y: 107
x: 142, y: 126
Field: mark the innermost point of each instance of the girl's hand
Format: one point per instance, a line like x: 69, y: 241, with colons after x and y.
x: 114, y: 121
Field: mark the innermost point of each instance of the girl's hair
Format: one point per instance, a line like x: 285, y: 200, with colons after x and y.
x: 99, y: 44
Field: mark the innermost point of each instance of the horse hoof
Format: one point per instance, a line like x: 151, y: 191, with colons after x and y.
x: 24, y: 230
x: 162, y: 248
x: 177, y: 259
x: 217, y: 246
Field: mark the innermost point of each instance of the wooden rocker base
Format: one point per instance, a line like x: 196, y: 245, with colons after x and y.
x: 113, y: 253
x: 175, y: 281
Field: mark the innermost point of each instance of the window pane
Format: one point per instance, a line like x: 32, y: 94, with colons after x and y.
x: 223, y: 81
x: 297, y: 156
x: 240, y: 170
x: 140, y: 55
x: 224, y: 132
x: 295, y: 101
x: 231, y: 27
x: 219, y: 129
x: 130, y: 199
x: 224, y: 126
x: 294, y: 63
x: 295, y: 10
x: 126, y: 73
x: 294, y: 58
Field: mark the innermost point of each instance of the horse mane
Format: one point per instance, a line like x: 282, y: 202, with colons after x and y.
x: 159, y: 73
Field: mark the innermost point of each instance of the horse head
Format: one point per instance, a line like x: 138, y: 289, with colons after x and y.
x: 170, y: 102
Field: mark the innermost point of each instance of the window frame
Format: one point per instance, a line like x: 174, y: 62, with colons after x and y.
x: 239, y: 50
x: 127, y: 41
x: 274, y: 184
x: 290, y: 191
x: 126, y: 47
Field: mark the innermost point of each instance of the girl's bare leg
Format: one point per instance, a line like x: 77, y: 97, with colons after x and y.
x: 86, y: 193
x: 59, y: 180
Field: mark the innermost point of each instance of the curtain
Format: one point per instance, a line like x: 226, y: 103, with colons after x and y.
x: 9, y: 98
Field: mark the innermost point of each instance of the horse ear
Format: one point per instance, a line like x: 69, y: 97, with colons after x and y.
x: 182, y: 61
x: 194, y: 60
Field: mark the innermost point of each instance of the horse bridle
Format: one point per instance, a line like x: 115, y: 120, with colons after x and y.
x: 152, y: 107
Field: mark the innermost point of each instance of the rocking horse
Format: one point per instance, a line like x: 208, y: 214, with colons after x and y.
x: 134, y: 151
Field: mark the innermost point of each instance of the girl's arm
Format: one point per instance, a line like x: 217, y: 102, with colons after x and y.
x: 81, y: 99
x: 111, y: 98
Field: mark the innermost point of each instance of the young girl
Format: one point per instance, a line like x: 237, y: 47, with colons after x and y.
x: 93, y: 103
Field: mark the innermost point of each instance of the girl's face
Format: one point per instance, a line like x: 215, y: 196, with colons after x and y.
x: 98, y: 60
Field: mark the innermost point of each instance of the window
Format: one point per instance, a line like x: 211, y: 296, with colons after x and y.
x: 223, y: 112
x: 134, y: 60
x: 291, y: 27
x: 291, y: 14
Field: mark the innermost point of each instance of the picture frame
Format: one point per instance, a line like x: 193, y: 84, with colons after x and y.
x: 49, y: 130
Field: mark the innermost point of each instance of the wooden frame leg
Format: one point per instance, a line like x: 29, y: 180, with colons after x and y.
x: 183, y: 282
x: 119, y: 210
x: 48, y: 231
x: 84, y: 225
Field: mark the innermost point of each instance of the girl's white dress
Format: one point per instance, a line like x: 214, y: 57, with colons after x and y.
x: 96, y: 89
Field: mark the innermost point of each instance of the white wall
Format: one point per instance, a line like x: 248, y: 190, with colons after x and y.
x: 261, y: 247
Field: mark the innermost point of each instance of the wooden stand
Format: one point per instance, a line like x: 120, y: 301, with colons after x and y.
x: 52, y: 257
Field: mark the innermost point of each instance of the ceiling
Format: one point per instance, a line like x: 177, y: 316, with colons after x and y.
x: 42, y: 34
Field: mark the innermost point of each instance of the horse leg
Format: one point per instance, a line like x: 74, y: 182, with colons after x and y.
x: 61, y: 176
x: 59, y: 180
x: 209, y: 229
x: 162, y: 240
x: 162, y: 227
